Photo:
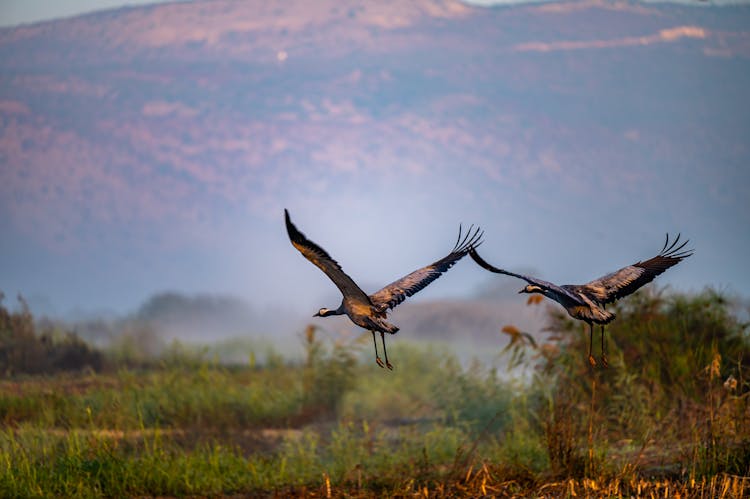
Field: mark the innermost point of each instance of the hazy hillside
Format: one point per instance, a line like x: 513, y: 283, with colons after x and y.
x: 226, y: 102
x: 153, y: 148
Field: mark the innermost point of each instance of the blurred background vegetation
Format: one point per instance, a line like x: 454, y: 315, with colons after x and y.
x: 670, y: 413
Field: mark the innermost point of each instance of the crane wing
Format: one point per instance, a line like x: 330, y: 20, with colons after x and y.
x: 399, y: 290
x: 628, y: 279
x: 324, y: 262
x: 531, y: 280
x: 559, y: 292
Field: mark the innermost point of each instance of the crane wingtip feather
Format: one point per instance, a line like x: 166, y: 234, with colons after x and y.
x: 294, y: 234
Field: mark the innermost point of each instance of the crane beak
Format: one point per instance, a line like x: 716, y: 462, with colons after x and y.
x: 317, y: 315
x: 522, y: 291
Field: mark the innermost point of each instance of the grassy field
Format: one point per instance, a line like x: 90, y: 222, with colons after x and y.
x: 670, y: 417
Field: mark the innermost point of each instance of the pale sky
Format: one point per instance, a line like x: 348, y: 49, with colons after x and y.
x: 13, y: 12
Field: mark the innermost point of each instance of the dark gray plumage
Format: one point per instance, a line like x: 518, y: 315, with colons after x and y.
x: 370, y: 311
x: 587, y: 302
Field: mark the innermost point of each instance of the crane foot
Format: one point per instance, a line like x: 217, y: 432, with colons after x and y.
x: 592, y: 361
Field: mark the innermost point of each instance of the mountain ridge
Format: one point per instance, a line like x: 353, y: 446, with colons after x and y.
x: 131, y: 137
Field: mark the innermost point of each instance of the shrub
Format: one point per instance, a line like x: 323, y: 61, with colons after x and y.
x: 26, y: 350
x: 666, y: 381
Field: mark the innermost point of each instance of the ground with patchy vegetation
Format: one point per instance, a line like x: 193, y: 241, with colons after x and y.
x: 670, y: 416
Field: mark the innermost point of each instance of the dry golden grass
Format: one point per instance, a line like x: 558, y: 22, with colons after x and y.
x: 489, y: 481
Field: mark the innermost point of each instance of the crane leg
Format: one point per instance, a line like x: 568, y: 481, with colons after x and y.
x: 377, y: 357
x: 605, y: 361
x: 592, y: 360
x: 385, y: 352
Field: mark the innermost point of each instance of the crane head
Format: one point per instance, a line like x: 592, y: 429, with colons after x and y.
x: 324, y: 312
x: 530, y: 288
